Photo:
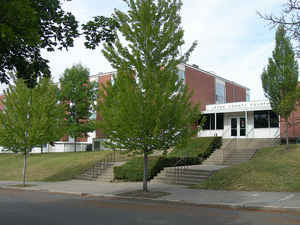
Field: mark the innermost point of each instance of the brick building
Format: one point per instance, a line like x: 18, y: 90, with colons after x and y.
x: 225, y: 104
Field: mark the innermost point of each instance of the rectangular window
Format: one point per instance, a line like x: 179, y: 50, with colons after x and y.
x: 274, y: 120
x: 212, y: 121
x: 265, y: 119
x: 261, y: 119
x: 206, y: 125
x: 181, y: 75
x: 220, y: 121
x: 247, y: 95
x: 220, y: 91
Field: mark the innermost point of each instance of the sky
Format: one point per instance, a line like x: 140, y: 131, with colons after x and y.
x: 233, y: 41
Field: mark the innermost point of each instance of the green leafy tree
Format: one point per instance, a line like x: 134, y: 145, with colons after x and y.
x: 79, y: 94
x: 280, y: 78
x: 28, y: 26
x: 30, y: 117
x: 148, y: 107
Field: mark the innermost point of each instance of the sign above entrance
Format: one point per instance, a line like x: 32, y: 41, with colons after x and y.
x: 238, y: 107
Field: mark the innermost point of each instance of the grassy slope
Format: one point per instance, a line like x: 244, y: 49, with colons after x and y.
x: 193, y: 148
x: 47, y: 167
x: 272, y: 169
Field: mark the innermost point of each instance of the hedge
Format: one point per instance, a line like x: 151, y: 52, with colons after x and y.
x: 133, y: 169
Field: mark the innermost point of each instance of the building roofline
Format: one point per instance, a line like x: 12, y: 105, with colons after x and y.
x: 216, y: 76
x: 193, y: 67
x: 103, y: 74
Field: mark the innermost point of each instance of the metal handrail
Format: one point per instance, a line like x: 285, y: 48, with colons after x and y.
x: 275, y: 138
x: 104, y: 163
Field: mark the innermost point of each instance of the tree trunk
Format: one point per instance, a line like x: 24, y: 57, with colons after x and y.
x: 75, y: 144
x: 145, y: 184
x: 24, y: 169
x: 287, y: 133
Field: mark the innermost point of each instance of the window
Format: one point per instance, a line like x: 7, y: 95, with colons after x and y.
x: 220, y: 92
x: 265, y: 119
x: 181, y: 75
x: 247, y: 95
x: 210, y: 121
x: 261, y: 119
x: 274, y: 119
x: 220, y: 121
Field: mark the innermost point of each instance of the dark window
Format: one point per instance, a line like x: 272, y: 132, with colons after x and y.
x: 212, y: 121
x: 274, y: 119
x: 220, y: 121
x: 209, y: 123
x: 206, y: 125
x: 261, y: 119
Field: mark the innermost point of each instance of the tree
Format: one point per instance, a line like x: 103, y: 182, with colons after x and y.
x: 30, y: 117
x: 79, y: 94
x: 27, y: 26
x: 290, y: 19
x: 148, y: 107
x: 280, y: 78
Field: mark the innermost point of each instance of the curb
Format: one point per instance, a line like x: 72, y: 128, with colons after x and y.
x: 209, y: 205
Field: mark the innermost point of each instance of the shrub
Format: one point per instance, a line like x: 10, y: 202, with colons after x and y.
x: 134, y: 168
x: 195, y: 151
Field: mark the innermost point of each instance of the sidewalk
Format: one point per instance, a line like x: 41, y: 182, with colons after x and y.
x: 234, y: 199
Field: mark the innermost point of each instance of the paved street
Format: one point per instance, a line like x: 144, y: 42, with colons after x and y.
x: 36, y: 208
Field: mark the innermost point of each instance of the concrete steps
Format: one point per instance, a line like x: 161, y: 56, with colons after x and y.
x: 235, y: 151
x: 182, y: 175
x: 100, y: 172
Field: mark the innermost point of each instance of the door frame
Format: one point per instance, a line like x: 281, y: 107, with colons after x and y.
x: 238, y: 128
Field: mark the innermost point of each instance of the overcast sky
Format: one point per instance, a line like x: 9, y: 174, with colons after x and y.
x: 233, y: 41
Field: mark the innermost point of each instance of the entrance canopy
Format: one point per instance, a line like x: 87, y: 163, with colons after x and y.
x: 238, y: 107
x: 240, y: 120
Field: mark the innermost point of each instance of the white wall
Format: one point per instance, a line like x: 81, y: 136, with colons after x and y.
x: 250, y: 132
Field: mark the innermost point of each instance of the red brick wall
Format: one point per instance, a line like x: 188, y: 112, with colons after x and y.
x: 294, y: 128
x: 202, y: 85
x: 235, y: 93
x: 102, y: 80
x: 294, y: 120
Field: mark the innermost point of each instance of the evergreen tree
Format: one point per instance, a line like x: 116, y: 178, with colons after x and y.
x: 148, y: 107
x: 79, y: 95
x: 280, y: 78
x: 30, y: 117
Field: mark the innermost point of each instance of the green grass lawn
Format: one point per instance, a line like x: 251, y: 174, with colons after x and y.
x: 196, y: 147
x: 272, y: 169
x: 48, y: 166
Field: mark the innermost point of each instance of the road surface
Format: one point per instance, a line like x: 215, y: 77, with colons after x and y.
x: 37, y: 208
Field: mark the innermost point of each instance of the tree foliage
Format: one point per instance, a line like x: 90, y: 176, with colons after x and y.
x: 28, y: 26
x: 148, y: 107
x: 280, y: 78
x: 79, y: 95
x: 289, y: 19
x: 30, y: 117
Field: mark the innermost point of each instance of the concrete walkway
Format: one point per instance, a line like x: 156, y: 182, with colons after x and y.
x: 235, y: 199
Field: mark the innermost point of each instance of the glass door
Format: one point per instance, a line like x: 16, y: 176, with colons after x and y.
x: 242, y: 126
x: 238, y: 127
x: 234, y: 127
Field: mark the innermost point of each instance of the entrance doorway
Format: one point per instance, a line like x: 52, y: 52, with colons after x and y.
x: 238, y: 127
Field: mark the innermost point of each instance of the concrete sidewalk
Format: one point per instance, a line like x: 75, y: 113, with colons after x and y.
x: 235, y: 199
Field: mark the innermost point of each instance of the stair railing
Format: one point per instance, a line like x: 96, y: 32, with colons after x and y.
x: 104, y: 163
x: 276, y: 137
